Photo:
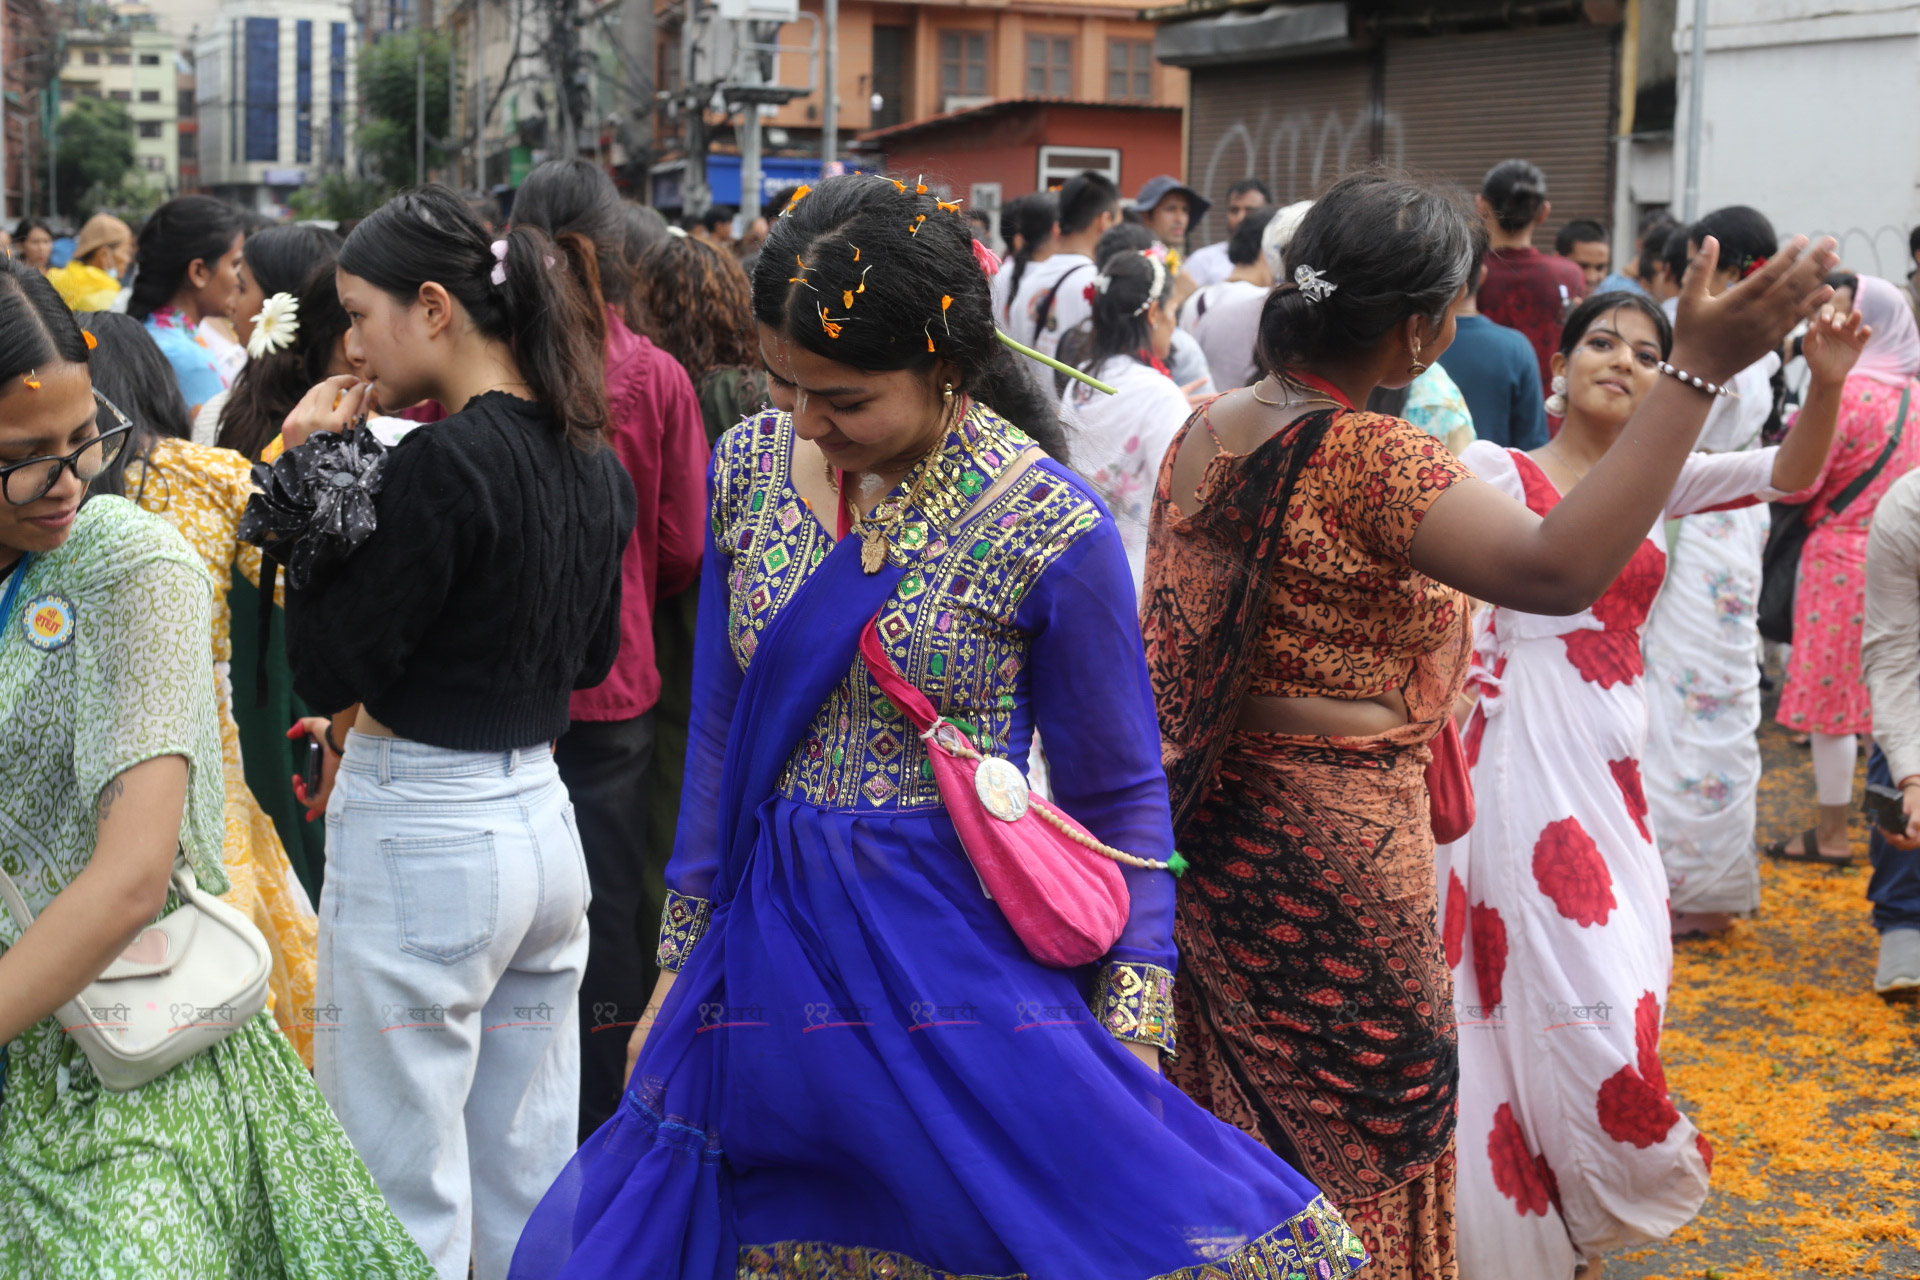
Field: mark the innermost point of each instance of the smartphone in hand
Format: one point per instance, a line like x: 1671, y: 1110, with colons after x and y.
x: 310, y: 768
x: 1887, y: 808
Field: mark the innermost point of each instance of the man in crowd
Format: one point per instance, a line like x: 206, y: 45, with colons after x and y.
x: 1168, y: 207
x: 1495, y: 369
x: 1209, y: 264
x: 715, y: 226
x: 1584, y: 242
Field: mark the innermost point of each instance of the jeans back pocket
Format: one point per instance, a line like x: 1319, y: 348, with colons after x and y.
x: 446, y: 893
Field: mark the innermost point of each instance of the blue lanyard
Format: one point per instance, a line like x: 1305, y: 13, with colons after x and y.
x: 13, y: 593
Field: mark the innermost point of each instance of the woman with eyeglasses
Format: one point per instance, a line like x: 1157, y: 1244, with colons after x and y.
x: 110, y: 766
x: 202, y: 492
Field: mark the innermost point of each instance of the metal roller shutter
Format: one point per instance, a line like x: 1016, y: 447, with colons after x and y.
x: 1458, y: 105
x: 1297, y: 126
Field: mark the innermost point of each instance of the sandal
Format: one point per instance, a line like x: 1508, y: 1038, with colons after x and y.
x: 1809, y: 851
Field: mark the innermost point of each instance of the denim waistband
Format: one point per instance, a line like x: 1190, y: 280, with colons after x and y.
x: 390, y: 758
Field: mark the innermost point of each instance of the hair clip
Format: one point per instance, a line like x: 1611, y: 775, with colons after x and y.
x: 33, y: 379
x: 499, y: 276
x: 1315, y: 286
x: 93, y: 343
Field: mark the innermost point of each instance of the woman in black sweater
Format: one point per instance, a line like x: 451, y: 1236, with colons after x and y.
x: 453, y: 918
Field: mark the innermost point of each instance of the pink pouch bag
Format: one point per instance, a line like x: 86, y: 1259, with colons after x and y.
x: 1058, y: 886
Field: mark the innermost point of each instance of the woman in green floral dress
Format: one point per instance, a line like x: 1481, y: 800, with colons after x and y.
x: 230, y: 1164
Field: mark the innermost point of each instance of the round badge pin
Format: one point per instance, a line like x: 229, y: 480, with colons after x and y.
x: 49, y: 622
x: 1002, y: 789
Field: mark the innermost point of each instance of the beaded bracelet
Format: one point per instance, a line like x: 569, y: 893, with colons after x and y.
x: 1698, y: 383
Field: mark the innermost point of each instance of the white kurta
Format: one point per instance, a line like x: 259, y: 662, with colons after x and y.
x: 1554, y: 916
x: 1702, y: 647
x: 1119, y: 441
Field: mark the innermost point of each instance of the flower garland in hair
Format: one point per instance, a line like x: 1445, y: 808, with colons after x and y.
x: 277, y: 325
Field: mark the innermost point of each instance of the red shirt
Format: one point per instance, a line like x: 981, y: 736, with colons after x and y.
x: 1532, y: 291
x: 661, y: 440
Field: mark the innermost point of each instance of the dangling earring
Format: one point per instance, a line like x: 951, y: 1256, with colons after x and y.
x: 1557, y: 402
x: 947, y: 391
x: 1419, y: 366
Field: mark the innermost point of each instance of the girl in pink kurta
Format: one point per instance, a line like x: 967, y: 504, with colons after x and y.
x: 1825, y: 694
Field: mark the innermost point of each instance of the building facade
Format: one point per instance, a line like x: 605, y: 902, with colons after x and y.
x: 130, y: 62
x: 1810, y: 113
x: 274, y: 98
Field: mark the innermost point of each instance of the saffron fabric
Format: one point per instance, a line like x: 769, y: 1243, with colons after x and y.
x: 1555, y: 921
x: 859, y: 1066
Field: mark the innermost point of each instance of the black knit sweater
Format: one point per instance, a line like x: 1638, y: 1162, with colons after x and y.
x: 488, y: 592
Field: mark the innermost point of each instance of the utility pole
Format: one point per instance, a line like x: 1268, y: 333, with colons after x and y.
x: 636, y: 117
x: 1696, y: 82
x: 830, y: 127
x: 480, y: 95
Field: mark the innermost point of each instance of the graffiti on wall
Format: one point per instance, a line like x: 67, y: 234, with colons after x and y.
x: 1299, y: 151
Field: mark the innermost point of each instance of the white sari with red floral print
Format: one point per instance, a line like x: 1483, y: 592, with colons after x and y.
x: 1554, y: 916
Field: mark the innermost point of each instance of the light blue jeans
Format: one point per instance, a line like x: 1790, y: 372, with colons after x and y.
x: 453, y: 933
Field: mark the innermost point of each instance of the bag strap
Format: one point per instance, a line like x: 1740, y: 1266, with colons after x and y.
x: 1045, y: 312
x: 885, y: 674
x: 1845, y: 497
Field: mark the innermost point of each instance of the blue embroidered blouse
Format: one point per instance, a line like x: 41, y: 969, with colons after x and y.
x: 1023, y: 619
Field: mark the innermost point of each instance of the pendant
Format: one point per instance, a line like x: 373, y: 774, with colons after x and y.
x: 873, y: 550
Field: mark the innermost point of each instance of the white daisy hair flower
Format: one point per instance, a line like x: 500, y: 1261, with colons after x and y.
x: 277, y: 325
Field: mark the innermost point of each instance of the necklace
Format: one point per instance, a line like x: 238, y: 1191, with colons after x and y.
x: 1289, y: 400
x: 874, y: 530
x: 1553, y: 447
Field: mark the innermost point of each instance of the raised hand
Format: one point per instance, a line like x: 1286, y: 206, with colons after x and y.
x: 1833, y: 342
x: 1715, y: 338
x: 329, y: 406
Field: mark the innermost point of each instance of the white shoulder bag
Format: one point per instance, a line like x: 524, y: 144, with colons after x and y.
x: 184, y: 984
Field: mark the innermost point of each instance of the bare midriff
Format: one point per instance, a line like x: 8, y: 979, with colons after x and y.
x: 1324, y: 717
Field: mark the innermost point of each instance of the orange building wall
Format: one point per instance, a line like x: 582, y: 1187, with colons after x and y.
x: 1007, y: 26
x: 1006, y: 149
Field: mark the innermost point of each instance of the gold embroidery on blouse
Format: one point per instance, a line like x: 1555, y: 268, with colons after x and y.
x: 949, y: 624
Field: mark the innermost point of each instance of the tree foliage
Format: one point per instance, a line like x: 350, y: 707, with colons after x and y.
x: 339, y: 196
x: 96, y: 151
x: 389, y: 84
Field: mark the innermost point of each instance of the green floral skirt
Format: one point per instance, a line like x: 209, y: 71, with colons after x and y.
x: 230, y: 1165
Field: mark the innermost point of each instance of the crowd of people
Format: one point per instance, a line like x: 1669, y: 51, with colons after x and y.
x: 845, y: 755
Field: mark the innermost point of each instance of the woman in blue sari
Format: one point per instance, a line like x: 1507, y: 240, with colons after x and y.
x: 852, y: 1067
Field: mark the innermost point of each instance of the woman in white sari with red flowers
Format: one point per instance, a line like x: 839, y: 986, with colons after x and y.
x: 1554, y: 906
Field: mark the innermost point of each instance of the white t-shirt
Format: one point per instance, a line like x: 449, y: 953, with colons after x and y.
x: 1073, y: 272
x: 1208, y: 296
x: 1209, y: 264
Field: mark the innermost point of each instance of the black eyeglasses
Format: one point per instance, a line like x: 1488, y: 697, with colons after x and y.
x: 28, y: 481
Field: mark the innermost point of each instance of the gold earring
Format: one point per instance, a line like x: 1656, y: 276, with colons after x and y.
x: 1419, y: 366
x: 948, y: 391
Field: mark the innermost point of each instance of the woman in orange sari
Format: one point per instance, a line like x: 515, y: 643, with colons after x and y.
x: 1306, y: 634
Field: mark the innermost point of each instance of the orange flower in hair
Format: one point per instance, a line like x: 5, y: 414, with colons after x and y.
x: 799, y: 194
x: 896, y: 182
x: 951, y: 206
x: 946, y: 301
x: 920, y: 185
x: 93, y: 343
x: 847, y: 297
